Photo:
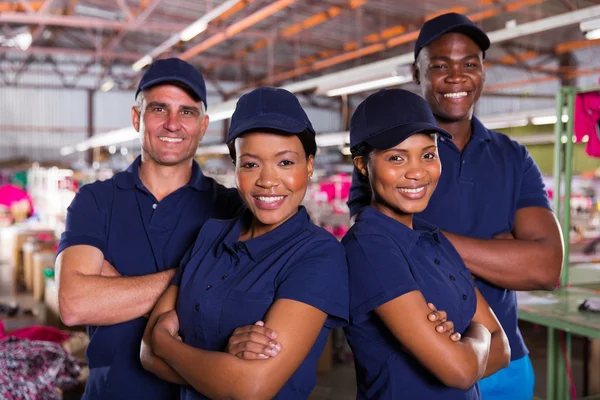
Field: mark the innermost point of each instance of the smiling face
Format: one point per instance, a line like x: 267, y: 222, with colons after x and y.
x: 404, y: 177
x: 450, y: 72
x: 272, y: 173
x: 171, y: 124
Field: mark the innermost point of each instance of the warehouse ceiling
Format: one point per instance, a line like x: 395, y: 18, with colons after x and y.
x: 89, y: 43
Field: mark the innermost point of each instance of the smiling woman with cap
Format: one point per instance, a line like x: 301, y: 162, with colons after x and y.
x: 400, y: 266
x: 271, y: 264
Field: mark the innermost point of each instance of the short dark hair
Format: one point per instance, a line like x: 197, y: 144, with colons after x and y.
x: 306, y: 138
x: 361, y: 150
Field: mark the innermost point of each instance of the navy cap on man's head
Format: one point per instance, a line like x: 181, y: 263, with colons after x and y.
x: 268, y: 108
x: 390, y: 116
x: 174, y: 70
x: 451, y: 22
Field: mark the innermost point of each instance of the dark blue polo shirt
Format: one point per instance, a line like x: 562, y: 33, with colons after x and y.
x: 387, y: 259
x: 226, y: 284
x: 138, y: 235
x: 478, y: 195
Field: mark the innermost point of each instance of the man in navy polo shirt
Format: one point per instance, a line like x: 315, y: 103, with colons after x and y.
x: 141, y: 222
x: 491, y: 199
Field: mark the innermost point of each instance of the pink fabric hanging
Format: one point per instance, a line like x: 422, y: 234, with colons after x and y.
x: 587, y: 120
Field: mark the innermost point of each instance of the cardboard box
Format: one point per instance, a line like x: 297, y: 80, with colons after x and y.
x: 41, y: 260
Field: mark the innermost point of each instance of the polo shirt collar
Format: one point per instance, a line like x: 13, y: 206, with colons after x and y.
x: 265, y: 244
x: 130, y: 178
x: 479, y: 132
x: 405, y: 237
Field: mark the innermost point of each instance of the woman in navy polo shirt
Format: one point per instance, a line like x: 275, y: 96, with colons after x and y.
x: 398, y: 264
x: 271, y: 264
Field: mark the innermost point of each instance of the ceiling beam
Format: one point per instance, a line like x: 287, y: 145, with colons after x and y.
x: 236, y: 28
x: 132, y: 25
x: 74, y: 21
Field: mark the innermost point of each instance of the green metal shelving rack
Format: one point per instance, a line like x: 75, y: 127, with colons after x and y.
x: 557, y: 379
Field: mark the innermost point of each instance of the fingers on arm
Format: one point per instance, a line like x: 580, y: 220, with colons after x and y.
x: 298, y: 326
x: 406, y: 317
x: 253, y: 342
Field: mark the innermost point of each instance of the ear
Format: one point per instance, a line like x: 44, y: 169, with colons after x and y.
x: 360, y: 163
x: 135, y: 118
x: 204, y: 126
x: 415, y: 71
x: 310, y: 165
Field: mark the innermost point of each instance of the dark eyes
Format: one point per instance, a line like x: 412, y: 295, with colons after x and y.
x: 251, y: 164
x: 427, y: 156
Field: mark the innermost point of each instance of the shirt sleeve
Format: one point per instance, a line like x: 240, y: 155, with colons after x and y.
x: 85, y: 223
x: 360, y: 195
x: 533, y: 191
x: 378, y: 272
x: 319, y: 279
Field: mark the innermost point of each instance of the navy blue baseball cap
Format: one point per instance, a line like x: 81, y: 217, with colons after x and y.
x: 390, y: 116
x: 174, y: 70
x: 268, y: 108
x: 451, y: 22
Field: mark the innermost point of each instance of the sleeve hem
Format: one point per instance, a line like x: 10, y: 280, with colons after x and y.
x: 337, y: 315
x: 534, y: 202
x: 360, y: 313
x: 83, y: 240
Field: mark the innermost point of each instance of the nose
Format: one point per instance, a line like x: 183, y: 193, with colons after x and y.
x: 415, y: 171
x: 268, y: 178
x: 172, y: 123
x: 455, y: 75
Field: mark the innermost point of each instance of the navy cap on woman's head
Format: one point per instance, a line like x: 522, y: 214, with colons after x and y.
x: 268, y: 108
x: 174, y: 70
x: 451, y: 22
x: 390, y: 116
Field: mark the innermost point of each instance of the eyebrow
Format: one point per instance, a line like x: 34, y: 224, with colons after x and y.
x: 165, y: 105
x: 406, y: 151
x: 157, y: 104
x: 446, y: 58
x: 276, y: 155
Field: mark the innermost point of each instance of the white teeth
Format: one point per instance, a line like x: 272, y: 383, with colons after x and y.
x: 170, y: 139
x: 417, y: 190
x: 270, y: 199
x: 456, y: 95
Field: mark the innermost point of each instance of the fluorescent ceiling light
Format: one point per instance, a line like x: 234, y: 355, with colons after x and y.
x: 213, y: 149
x: 548, y: 119
x: 201, y: 24
x: 141, y: 63
x: 65, y: 151
x: 89, y: 11
x: 593, y: 35
x: 589, y: 24
x: 514, y: 123
x: 107, y: 85
x: 332, y: 139
x: 23, y: 40
x: 371, y: 85
x: 193, y: 30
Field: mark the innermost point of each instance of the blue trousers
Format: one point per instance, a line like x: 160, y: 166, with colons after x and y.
x: 515, y: 382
